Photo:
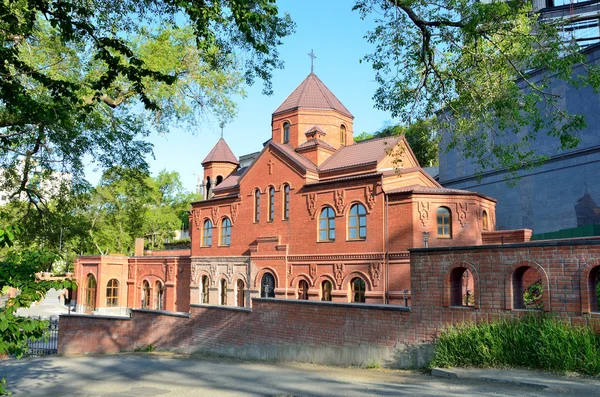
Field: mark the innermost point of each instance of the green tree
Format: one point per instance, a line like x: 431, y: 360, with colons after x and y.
x: 128, y: 204
x: 89, y: 80
x: 17, y: 270
x: 473, y: 62
x: 421, y: 137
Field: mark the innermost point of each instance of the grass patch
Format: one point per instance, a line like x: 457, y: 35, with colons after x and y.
x: 540, y: 342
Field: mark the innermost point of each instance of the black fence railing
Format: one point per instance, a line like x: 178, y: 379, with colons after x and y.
x: 47, y: 345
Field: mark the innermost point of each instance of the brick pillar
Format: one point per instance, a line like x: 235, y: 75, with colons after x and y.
x: 170, y: 295
x: 339, y: 296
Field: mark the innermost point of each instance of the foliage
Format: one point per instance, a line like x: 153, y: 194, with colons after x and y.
x: 532, y: 296
x: 145, y: 349
x: 88, y: 81
x: 128, y: 204
x: 475, y: 64
x: 542, y: 342
x: 17, y: 270
x: 420, y: 136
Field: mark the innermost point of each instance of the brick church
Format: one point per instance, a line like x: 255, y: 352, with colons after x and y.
x: 314, y: 216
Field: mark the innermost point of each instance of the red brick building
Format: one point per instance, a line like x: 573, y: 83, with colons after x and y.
x: 314, y: 216
x: 317, y: 216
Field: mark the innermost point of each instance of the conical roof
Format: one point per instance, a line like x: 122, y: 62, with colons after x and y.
x: 221, y: 153
x: 312, y: 94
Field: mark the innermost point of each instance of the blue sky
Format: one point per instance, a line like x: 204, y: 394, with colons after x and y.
x: 335, y: 33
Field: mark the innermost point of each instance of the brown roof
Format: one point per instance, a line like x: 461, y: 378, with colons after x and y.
x: 315, y: 142
x: 221, y: 153
x: 231, y: 180
x: 361, y: 153
x: 312, y: 94
x: 302, y: 161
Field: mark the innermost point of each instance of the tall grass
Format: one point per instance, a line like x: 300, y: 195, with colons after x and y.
x: 532, y: 342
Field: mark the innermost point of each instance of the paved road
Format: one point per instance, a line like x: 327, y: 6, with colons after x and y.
x: 156, y: 375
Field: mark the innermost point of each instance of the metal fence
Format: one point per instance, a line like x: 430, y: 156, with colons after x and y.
x: 45, y: 346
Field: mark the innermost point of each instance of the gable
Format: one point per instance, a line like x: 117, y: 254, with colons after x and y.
x: 400, y: 156
x: 271, y: 167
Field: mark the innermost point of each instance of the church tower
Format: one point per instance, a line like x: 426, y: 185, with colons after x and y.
x: 218, y: 164
x: 313, y: 121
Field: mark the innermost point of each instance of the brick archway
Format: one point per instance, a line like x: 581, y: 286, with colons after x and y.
x: 508, y: 283
x: 586, y: 288
x: 261, y: 272
x: 357, y: 273
x: 302, y: 276
x: 448, y: 283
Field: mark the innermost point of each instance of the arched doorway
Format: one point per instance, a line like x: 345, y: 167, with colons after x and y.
x: 240, y: 293
x: 146, y: 295
x: 303, y: 290
x: 267, y: 286
x: 358, y: 290
x: 90, y: 294
x: 158, y: 296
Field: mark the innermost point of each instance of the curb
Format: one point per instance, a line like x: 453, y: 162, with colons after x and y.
x: 449, y: 373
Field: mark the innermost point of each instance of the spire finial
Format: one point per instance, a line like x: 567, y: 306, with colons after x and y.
x: 222, y: 125
x: 312, y: 56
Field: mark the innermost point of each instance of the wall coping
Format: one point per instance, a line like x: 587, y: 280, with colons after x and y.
x: 337, y: 304
x: 162, y: 312
x: 541, y: 243
x: 95, y: 316
x: 223, y: 307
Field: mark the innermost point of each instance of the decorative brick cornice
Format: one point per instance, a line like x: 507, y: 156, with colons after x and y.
x: 399, y: 255
x: 268, y: 257
x: 336, y: 257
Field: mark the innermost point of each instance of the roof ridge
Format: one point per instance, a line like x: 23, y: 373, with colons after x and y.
x: 377, y: 139
x: 320, y: 86
x: 303, y: 92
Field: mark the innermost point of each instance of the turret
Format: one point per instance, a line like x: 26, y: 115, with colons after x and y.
x: 218, y: 165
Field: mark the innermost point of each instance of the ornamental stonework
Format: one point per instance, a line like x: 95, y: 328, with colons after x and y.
x: 194, y: 275
x: 339, y: 198
x: 375, y: 271
x: 197, y: 218
x: 313, y: 270
x: 423, y: 212
x: 215, y: 215
x: 338, y: 272
x: 311, y: 204
x: 370, y: 197
x: 234, y: 212
x: 462, y: 213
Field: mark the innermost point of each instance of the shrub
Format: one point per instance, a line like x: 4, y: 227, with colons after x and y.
x: 542, y: 342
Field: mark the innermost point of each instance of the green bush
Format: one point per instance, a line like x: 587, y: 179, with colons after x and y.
x: 542, y: 342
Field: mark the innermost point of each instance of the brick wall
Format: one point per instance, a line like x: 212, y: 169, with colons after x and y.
x: 342, y: 333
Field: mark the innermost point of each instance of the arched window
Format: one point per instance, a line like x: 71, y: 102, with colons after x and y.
x: 326, y: 288
x: 462, y: 291
x: 256, y: 205
x: 271, y: 204
x: 343, y: 134
x: 527, y: 289
x: 204, y: 290
x: 90, y: 294
x: 485, y: 221
x: 219, y: 180
x: 208, y: 188
x: 594, y: 289
x: 112, y: 293
x: 357, y: 222
x: 146, y: 295
x: 225, y: 232
x: 357, y: 286
x: 240, y: 293
x: 303, y: 290
x: 444, y: 224
x: 223, y: 288
x: 267, y: 286
x: 207, y: 233
x: 158, y: 295
x: 286, y: 202
x: 286, y: 132
x: 327, y: 225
